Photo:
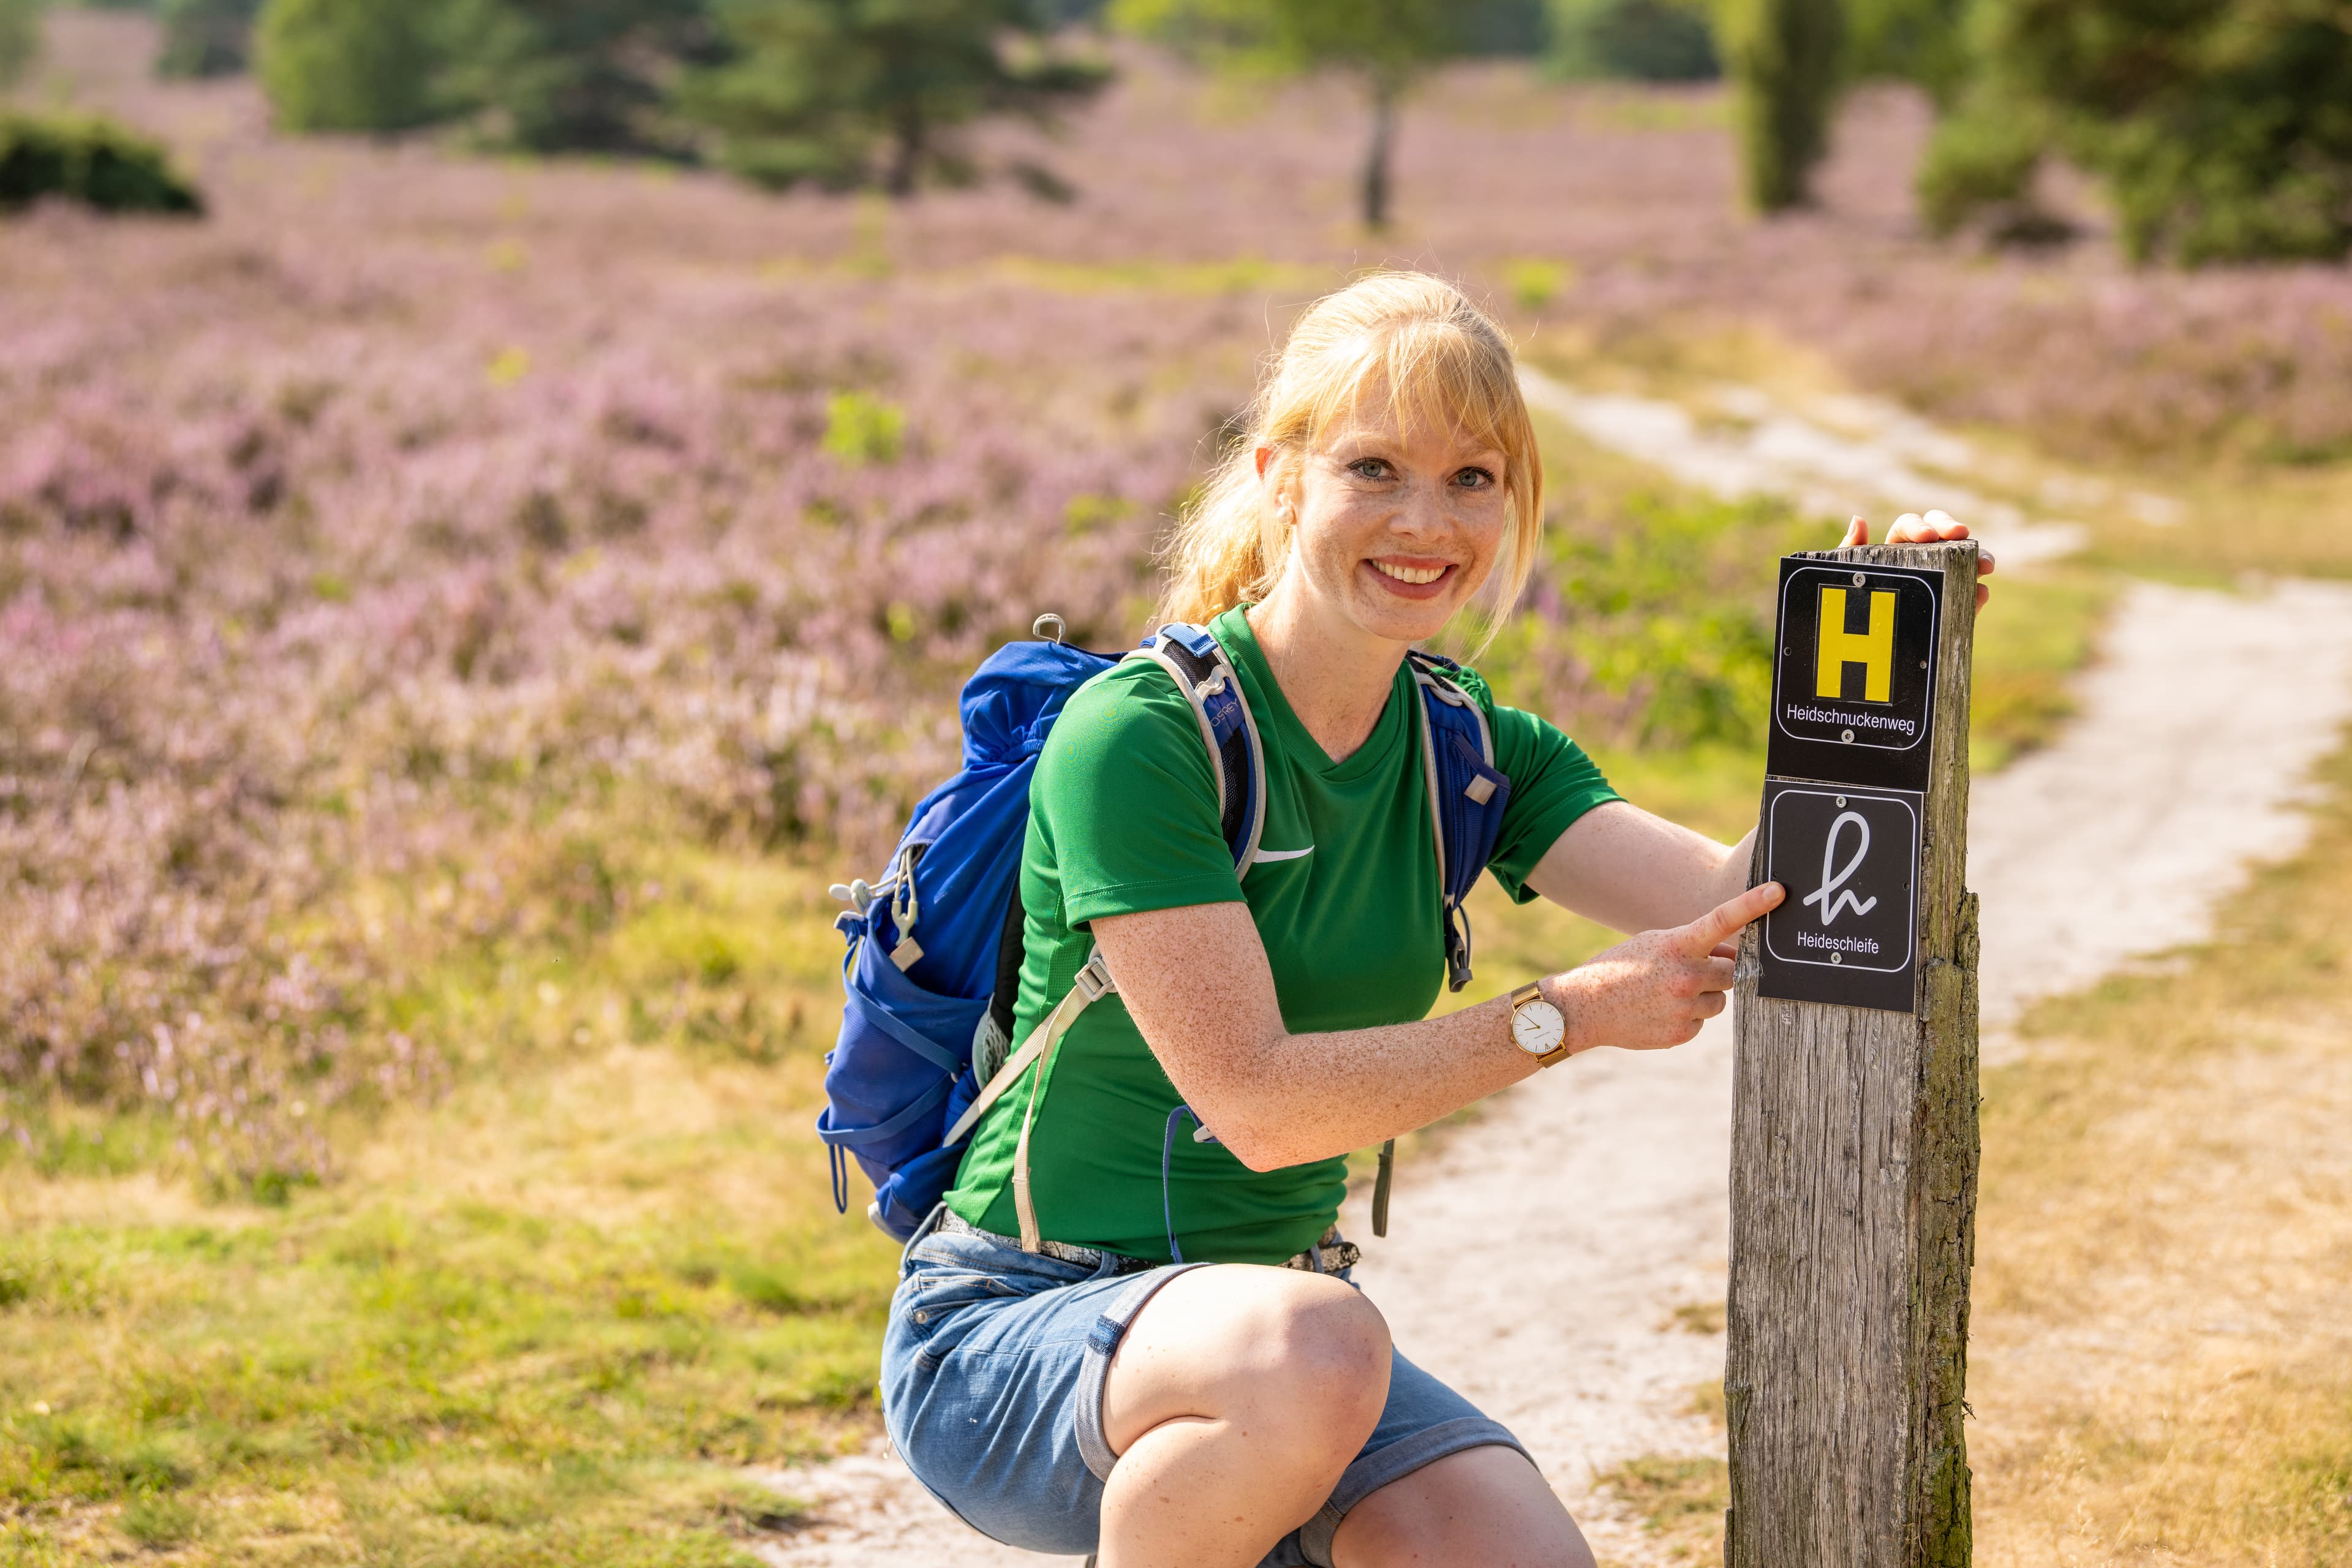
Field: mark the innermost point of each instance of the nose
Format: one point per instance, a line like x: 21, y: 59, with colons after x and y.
x: 1421, y: 513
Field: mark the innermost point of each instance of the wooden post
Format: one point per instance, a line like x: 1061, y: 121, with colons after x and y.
x: 1854, y: 1164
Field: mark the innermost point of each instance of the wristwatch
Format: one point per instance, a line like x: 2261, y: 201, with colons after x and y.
x: 1537, y: 1026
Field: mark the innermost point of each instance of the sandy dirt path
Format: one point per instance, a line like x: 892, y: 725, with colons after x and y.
x: 1538, y: 1260
x: 1836, y: 454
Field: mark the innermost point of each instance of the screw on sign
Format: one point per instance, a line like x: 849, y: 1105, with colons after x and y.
x: 1854, y: 1136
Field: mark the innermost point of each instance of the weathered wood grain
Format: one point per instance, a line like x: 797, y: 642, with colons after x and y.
x: 1853, y: 1172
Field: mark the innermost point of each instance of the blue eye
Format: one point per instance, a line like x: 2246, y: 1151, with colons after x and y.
x: 1474, y: 479
x: 1369, y: 468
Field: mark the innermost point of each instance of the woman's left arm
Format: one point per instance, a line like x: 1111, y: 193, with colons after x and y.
x: 1632, y: 871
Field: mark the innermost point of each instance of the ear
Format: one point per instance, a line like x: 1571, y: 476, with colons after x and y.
x: 1264, y: 455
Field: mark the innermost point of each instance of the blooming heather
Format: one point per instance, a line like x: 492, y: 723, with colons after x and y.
x: 432, y: 524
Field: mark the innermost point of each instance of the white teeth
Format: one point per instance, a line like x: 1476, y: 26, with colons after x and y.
x: 1410, y: 574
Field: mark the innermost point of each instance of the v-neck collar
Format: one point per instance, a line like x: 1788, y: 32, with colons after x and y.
x: 1274, y: 710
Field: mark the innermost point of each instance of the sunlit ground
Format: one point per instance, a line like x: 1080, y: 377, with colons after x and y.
x: 527, y: 666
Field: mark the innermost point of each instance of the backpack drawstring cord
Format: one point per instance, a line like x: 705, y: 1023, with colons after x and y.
x: 1167, y: 1158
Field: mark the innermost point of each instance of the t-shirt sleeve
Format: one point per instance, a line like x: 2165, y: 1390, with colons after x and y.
x: 1127, y: 805
x: 1553, y: 783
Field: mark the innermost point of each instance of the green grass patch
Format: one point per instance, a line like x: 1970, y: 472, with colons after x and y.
x: 548, y: 1317
x: 505, y: 1355
x: 1671, y: 1491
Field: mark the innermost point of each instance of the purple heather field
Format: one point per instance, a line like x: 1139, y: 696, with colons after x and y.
x: 434, y: 522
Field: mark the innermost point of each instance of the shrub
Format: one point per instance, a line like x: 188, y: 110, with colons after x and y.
x: 1640, y: 40
x: 206, y: 38
x: 348, y: 64
x: 1982, y: 163
x: 91, y: 160
x: 2219, y: 127
x: 861, y: 428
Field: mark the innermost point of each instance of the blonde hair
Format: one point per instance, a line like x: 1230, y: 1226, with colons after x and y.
x: 1441, y: 359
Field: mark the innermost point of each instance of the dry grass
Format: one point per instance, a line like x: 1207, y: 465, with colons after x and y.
x: 1680, y: 1501
x: 2163, y: 1324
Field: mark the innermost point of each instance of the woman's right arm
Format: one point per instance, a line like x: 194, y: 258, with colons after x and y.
x: 1278, y: 1098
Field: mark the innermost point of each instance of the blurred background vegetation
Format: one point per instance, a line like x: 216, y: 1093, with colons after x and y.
x: 502, y: 533
x: 2218, y: 128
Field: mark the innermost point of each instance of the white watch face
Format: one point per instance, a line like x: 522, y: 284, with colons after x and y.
x: 1538, y: 1027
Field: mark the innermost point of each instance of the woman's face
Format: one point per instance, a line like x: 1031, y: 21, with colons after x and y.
x: 1394, y: 528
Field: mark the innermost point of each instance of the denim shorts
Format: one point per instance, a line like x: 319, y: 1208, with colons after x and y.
x: 992, y: 1372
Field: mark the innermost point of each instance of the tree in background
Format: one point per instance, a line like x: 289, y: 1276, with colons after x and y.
x: 1787, y: 57
x: 2223, y: 128
x: 205, y: 37
x: 847, y: 91
x: 1922, y: 41
x: 1637, y: 40
x: 20, y: 37
x: 571, y: 75
x: 348, y: 64
x: 1386, y: 45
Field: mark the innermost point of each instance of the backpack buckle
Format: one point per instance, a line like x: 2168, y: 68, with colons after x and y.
x: 1094, y: 980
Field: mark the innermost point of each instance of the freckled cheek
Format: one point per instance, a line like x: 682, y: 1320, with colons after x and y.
x: 1483, y: 527
x: 1345, y: 534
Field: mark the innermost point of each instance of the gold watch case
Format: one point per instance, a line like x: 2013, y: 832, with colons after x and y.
x: 1537, y: 1026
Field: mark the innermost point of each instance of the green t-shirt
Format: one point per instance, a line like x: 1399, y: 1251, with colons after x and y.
x: 1122, y: 819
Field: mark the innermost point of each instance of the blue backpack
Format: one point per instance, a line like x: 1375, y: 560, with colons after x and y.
x: 935, y: 946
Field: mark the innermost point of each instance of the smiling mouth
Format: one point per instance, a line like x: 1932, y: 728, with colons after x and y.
x: 1413, y: 575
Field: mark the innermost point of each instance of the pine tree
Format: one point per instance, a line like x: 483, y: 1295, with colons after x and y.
x: 571, y: 75
x: 850, y: 92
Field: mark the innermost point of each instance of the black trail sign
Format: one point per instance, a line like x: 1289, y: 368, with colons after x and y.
x: 1853, y: 681
x: 1854, y: 718
x: 1850, y: 859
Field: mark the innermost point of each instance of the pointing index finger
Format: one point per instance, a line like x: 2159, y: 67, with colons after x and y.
x: 1724, y: 923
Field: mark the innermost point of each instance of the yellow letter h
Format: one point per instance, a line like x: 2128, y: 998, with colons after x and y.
x: 1873, y: 649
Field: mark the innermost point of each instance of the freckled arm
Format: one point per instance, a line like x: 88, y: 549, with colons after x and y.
x: 1277, y: 1098
x: 1631, y: 870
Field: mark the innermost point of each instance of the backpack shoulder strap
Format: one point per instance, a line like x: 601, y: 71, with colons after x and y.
x: 1205, y: 676
x: 1466, y: 796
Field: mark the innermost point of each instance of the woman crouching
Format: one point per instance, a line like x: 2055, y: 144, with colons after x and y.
x: 1176, y: 1373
